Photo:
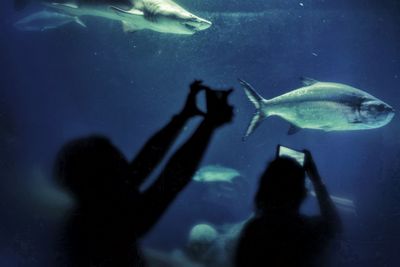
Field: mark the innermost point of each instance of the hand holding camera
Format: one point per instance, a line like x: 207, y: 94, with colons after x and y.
x: 219, y: 112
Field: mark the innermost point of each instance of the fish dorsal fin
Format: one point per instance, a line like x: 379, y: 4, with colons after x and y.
x: 293, y: 129
x: 129, y: 12
x: 308, y: 81
x: 129, y: 27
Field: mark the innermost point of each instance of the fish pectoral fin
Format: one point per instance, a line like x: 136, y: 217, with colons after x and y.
x: 293, y: 129
x: 122, y: 12
x: 308, y: 81
x: 128, y: 27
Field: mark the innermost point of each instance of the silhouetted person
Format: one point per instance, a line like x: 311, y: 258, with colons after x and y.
x: 279, y: 235
x: 111, y: 214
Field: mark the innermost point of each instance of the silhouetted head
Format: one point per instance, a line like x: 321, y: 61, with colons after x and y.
x: 90, y: 168
x: 282, y: 186
x: 201, y: 240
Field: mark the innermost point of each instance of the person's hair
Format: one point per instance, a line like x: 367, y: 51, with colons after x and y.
x: 282, y: 186
x: 88, y: 164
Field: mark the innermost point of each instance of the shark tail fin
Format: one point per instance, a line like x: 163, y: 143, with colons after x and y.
x: 259, y: 102
x: 20, y: 4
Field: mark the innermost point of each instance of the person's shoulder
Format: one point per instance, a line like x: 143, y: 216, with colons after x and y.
x: 312, y: 221
x: 252, y: 226
x: 257, y: 226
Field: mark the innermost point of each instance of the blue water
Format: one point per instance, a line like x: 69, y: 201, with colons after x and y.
x: 71, y: 82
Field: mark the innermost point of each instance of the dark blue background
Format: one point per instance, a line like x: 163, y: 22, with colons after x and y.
x: 70, y: 82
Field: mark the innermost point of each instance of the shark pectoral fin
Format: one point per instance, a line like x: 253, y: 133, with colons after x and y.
x: 293, y: 129
x: 80, y: 22
x: 128, y: 27
x: 308, y: 81
x: 255, y: 121
x: 126, y: 13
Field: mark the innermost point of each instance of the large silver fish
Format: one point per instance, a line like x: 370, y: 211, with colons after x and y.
x: 323, y: 106
x: 157, y: 15
x: 46, y: 20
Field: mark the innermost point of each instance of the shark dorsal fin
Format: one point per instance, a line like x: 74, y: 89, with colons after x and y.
x: 308, y: 81
x: 123, y: 12
x: 70, y: 5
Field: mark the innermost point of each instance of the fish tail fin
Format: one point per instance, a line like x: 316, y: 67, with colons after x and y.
x: 20, y: 4
x: 255, y: 121
x: 251, y: 93
x: 80, y: 22
x: 259, y: 102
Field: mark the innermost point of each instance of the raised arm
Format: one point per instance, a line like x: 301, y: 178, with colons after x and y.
x: 327, y: 207
x: 157, y: 146
x: 183, y: 164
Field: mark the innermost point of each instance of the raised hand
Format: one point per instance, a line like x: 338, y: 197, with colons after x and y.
x: 310, y: 167
x: 219, y: 111
x: 190, y: 108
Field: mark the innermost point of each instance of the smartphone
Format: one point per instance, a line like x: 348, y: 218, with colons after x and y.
x: 298, y: 156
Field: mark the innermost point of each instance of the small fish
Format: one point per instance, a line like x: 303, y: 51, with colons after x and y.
x: 46, y: 20
x: 215, y: 173
x: 323, y: 106
x: 340, y: 202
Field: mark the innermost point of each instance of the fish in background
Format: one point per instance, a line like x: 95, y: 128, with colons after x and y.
x: 325, y: 106
x: 157, y: 15
x: 46, y: 20
x: 225, y: 175
x: 215, y: 173
x: 341, y: 203
x: 207, y: 245
x: 45, y: 197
